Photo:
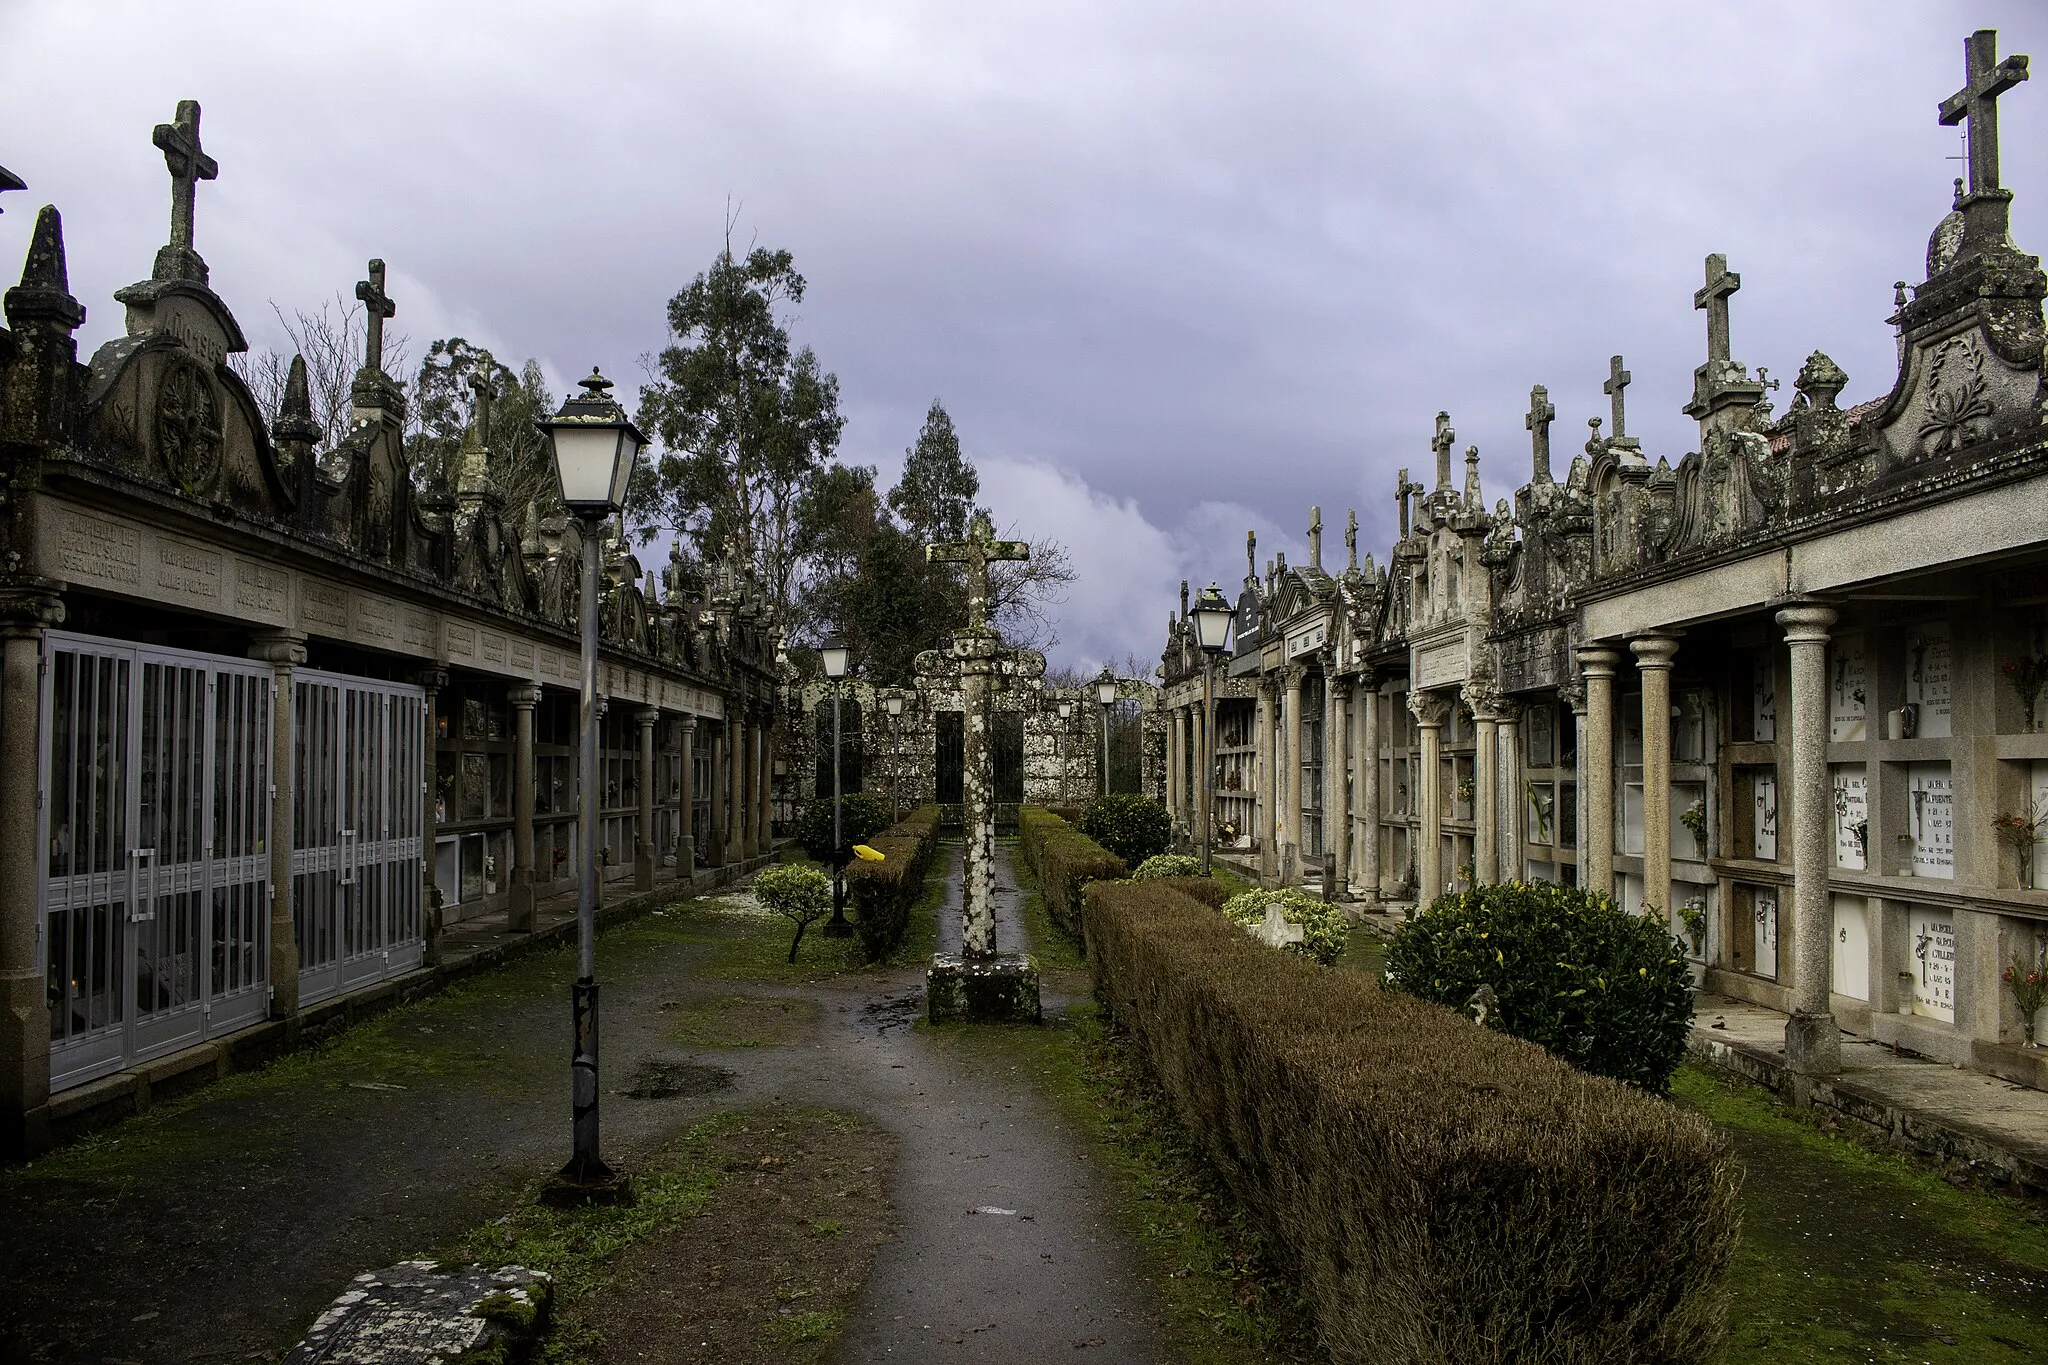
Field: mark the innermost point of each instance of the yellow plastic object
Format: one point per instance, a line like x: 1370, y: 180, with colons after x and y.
x: 866, y: 854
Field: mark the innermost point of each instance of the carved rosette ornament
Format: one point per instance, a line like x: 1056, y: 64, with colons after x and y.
x: 188, y: 428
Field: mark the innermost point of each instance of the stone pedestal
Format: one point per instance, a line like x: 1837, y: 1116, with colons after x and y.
x: 998, y: 988
x: 1813, y: 1045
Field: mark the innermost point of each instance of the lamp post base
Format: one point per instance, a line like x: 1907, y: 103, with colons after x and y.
x: 839, y: 926
x: 586, y: 1183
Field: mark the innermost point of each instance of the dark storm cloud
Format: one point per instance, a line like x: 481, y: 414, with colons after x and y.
x: 1178, y: 270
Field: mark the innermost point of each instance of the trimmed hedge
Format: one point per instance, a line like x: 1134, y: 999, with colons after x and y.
x: 1064, y: 860
x: 1571, y: 971
x: 1207, y: 890
x: 1443, y: 1193
x: 883, y: 894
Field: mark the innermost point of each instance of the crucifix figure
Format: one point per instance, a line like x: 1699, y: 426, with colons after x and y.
x: 379, y: 306
x: 1541, y: 415
x: 1714, y: 298
x: 1985, y: 79
x: 1618, y: 380
x: 1251, y: 556
x: 979, y: 654
x: 1441, y: 443
x: 189, y: 164
x: 1315, y: 537
x: 1351, y: 536
x: 1401, y: 496
x: 480, y: 385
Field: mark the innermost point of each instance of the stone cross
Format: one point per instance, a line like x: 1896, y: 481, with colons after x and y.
x: 1315, y: 537
x: 979, y: 655
x: 1444, y: 439
x: 188, y: 163
x: 1541, y: 415
x: 977, y: 552
x: 1251, y: 554
x: 1618, y: 380
x: 1986, y: 78
x: 480, y: 385
x: 379, y: 306
x: 1401, y: 496
x: 1351, y: 536
x: 1714, y: 298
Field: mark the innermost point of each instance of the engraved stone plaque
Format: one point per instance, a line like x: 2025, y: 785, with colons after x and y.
x: 1932, y: 935
x: 97, y: 550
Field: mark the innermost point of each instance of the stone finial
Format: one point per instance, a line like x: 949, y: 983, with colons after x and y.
x: 1541, y: 415
x: 188, y: 164
x: 1315, y: 537
x: 378, y: 305
x: 1183, y: 598
x: 1441, y: 443
x: 44, y: 294
x: 1593, y: 444
x: 1474, y: 499
x: 295, y: 420
x: 1819, y: 380
x: 1985, y: 78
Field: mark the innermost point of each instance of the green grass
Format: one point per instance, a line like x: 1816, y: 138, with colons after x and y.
x: 1225, y: 1303
x: 743, y: 1021
x: 1853, y: 1254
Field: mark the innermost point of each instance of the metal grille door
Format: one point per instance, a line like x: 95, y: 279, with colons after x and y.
x: 155, y: 887
x: 359, y: 788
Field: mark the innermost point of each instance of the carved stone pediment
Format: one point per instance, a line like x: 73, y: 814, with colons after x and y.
x: 1730, y: 489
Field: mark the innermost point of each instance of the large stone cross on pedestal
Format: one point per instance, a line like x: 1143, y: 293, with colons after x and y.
x: 981, y: 983
x: 379, y: 306
x: 188, y: 164
x: 1985, y: 79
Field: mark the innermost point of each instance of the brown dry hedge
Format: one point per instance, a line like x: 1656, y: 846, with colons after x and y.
x: 1447, y: 1195
x: 1064, y: 860
x: 883, y: 894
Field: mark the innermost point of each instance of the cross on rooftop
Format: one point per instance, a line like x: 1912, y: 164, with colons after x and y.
x: 1714, y: 298
x: 1441, y: 443
x: 1351, y: 535
x: 379, y: 306
x: 480, y: 385
x: 1315, y: 537
x: 1985, y: 79
x: 1541, y: 415
x: 188, y: 163
x: 1618, y: 379
x: 977, y: 551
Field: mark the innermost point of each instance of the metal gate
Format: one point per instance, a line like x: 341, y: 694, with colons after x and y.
x: 155, y: 885
x: 359, y: 793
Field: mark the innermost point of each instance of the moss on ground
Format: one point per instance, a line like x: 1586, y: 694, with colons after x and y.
x: 1226, y: 1304
x: 742, y: 1021
x: 1852, y: 1254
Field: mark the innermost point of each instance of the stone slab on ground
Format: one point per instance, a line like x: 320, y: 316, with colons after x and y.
x: 1966, y: 1119
x: 414, y: 1313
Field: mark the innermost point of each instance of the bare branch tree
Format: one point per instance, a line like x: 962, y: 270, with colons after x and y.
x: 331, y: 340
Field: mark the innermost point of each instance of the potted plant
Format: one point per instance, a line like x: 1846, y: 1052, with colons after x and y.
x: 2029, y: 987
x: 1694, y: 818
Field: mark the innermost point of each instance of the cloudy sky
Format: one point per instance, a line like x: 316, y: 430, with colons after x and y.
x: 1178, y: 270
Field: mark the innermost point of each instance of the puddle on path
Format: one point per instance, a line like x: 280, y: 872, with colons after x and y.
x: 899, y: 1012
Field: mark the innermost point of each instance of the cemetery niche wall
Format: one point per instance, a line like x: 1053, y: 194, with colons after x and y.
x: 297, y: 707
x: 1783, y: 690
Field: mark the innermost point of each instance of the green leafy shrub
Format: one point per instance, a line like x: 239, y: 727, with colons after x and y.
x: 799, y: 894
x: 1168, y: 865
x: 1064, y: 860
x: 1132, y: 827
x: 860, y: 817
x: 1605, y: 990
x: 1324, y: 927
x: 1440, y: 1192
x: 883, y: 894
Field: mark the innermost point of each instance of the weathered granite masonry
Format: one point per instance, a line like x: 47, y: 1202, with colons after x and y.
x: 1783, y: 690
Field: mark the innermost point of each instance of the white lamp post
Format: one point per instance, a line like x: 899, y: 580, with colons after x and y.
x: 893, y: 704
x: 1105, y: 692
x: 1066, y: 772
x: 1212, y: 631
x: 595, y: 446
x: 835, y: 655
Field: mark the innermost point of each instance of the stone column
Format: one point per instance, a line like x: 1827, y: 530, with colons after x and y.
x: 1337, y: 784
x: 764, y: 805
x: 1290, y: 785
x: 1574, y: 695
x: 715, y: 837
x: 977, y: 652
x: 1596, y: 751
x: 1514, y: 807
x: 1485, y: 794
x: 1369, y: 785
x: 1269, y: 783
x: 1813, y: 1046
x: 645, y: 854
x: 25, y: 615
x: 285, y: 651
x: 1654, y: 655
x: 1430, y: 712
x: 519, y: 908
x: 735, y: 786
x: 431, y: 681
x: 686, y: 840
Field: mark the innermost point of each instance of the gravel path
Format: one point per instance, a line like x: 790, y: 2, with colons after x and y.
x: 217, y: 1231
